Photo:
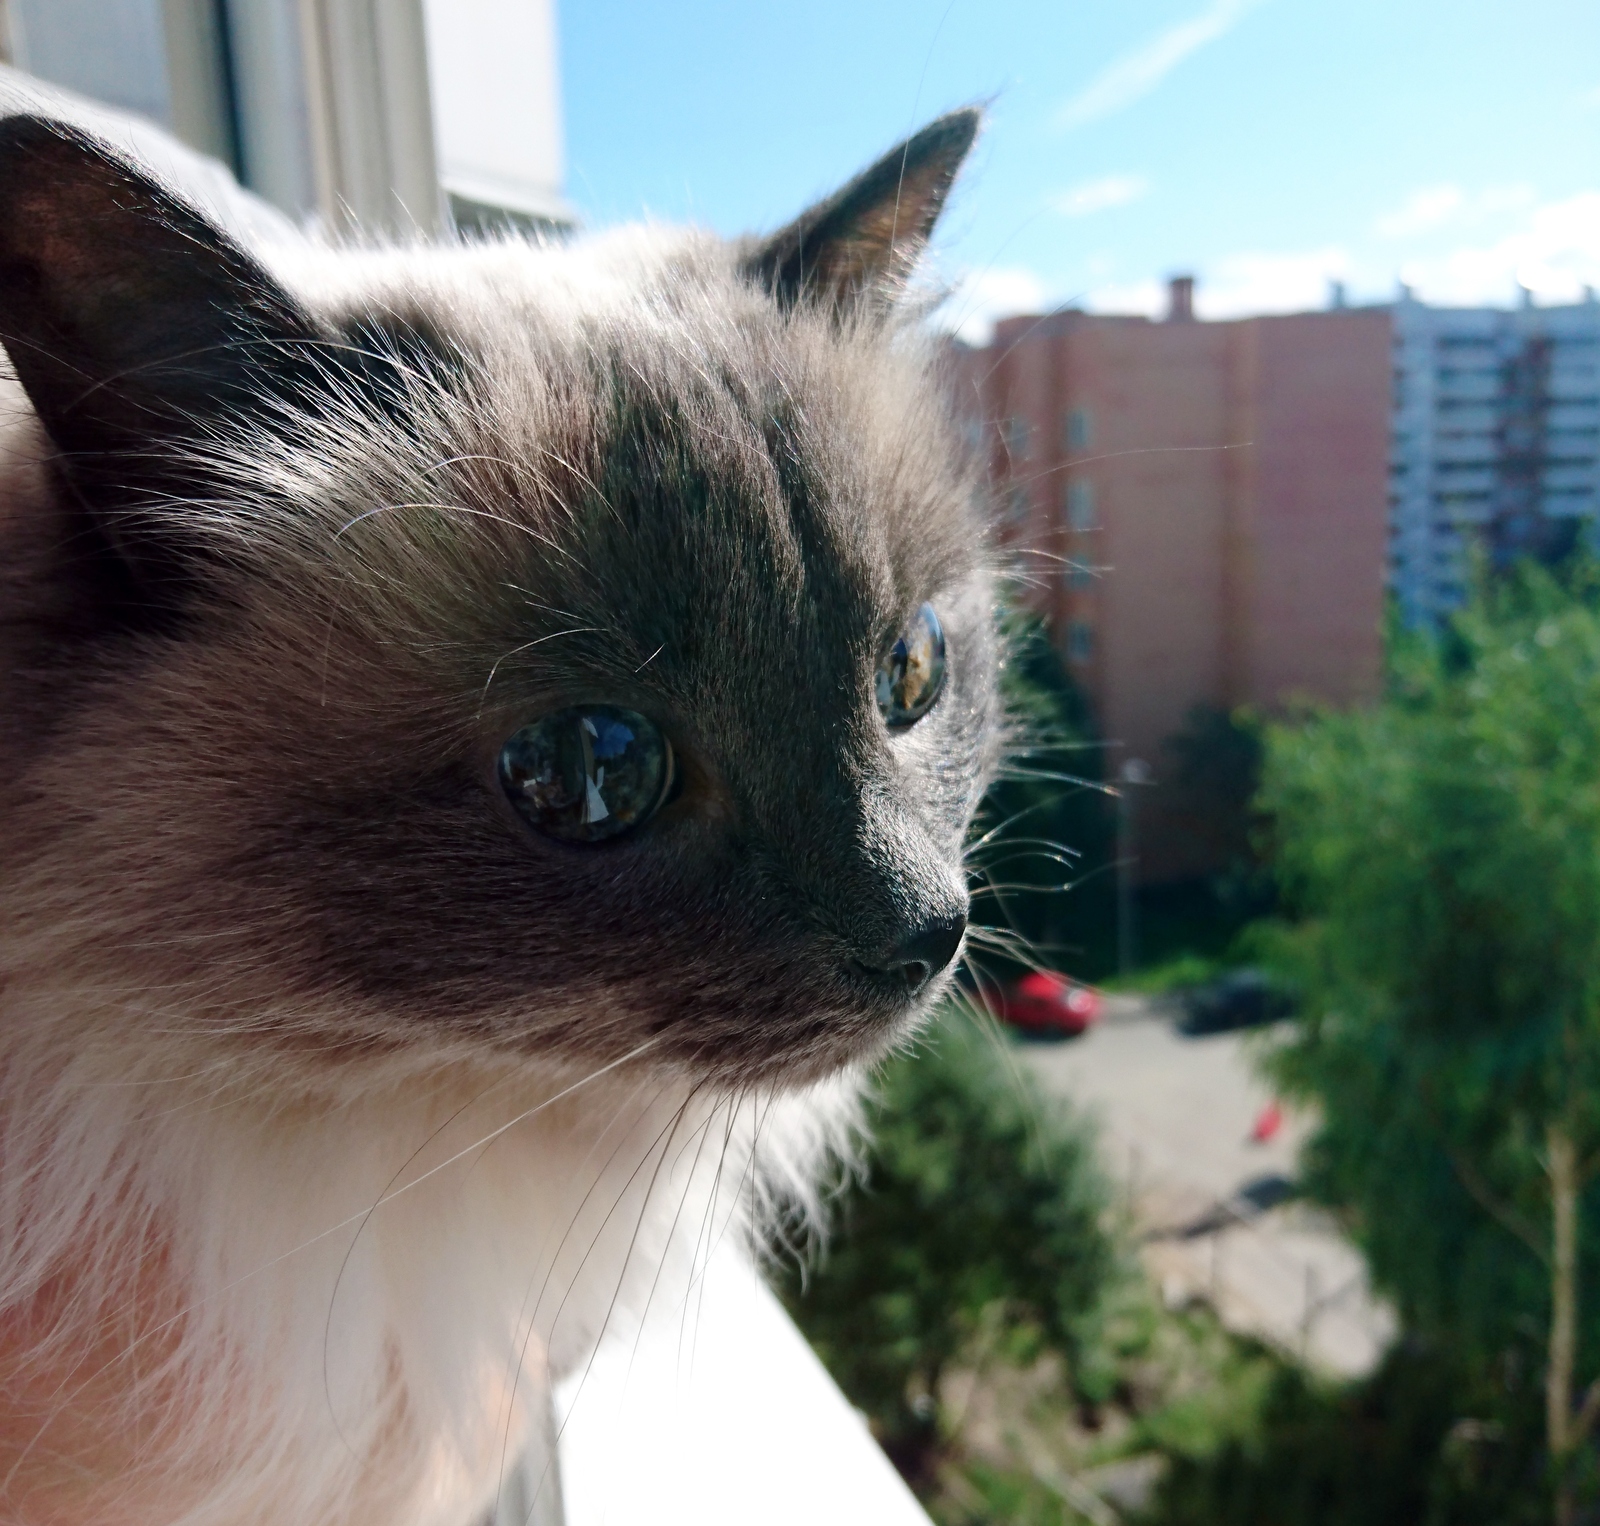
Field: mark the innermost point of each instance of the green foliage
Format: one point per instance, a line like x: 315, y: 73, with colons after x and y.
x: 1196, y: 923
x: 983, y: 1206
x: 1184, y: 1388
x: 1419, y: 1443
x: 1171, y: 975
x: 981, y: 1494
x: 1213, y: 1391
x: 1443, y: 850
x: 1218, y: 756
x: 1045, y: 833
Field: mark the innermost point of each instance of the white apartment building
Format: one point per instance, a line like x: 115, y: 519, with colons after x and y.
x: 1496, y: 439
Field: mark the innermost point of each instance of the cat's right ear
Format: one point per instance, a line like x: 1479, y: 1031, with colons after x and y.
x: 133, y: 325
x: 861, y: 243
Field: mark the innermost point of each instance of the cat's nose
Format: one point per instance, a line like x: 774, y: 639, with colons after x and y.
x: 922, y: 952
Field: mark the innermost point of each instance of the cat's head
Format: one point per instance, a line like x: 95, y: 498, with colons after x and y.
x: 556, y: 650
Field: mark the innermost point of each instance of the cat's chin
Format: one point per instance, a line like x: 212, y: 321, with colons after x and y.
x: 711, y: 1048
x: 795, y: 1050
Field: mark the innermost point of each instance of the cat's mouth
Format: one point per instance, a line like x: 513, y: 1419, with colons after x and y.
x: 795, y: 1025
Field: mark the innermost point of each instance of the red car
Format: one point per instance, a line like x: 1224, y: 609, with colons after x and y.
x: 1049, y: 1004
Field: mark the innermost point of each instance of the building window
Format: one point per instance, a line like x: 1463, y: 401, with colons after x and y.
x: 1018, y: 437
x: 1080, y: 641
x: 1080, y: 505
x: 1077, y: 429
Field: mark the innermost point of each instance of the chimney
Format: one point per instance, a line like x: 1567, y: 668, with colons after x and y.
x: 1180, y: 299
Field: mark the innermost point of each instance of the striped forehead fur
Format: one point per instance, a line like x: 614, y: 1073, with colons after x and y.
x: 510, y: 400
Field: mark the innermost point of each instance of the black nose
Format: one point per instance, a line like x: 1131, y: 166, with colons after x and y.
x: 923, y: 952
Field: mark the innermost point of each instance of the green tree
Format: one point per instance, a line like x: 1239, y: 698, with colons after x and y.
x: 1444, y: 851
x: 1217, y: 758
x: 1044, y: 842
x: 982, y: 1204
x: 1419, y: 1442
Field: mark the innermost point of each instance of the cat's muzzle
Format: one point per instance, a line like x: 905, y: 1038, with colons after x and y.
x: 910, y: 963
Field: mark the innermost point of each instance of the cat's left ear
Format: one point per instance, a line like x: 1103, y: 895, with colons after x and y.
x: 137, y: 328
x: 129, y: 319
x: 863, y: 241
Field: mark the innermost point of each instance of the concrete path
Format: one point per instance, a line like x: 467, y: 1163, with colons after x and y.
x: 1176, y: 1115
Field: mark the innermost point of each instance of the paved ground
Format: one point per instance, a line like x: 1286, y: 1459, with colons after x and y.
x: 1177, y: 1115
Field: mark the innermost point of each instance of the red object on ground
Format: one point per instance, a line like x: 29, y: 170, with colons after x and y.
x: 1268, y: 1121
x: 1049, y: 1003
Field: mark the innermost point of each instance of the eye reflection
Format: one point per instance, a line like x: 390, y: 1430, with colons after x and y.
x: 587, y: 773
x: 912, y: 671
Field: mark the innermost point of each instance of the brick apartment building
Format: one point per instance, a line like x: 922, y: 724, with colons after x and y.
x: 1202, y: 509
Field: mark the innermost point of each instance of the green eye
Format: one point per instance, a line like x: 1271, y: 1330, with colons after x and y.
x: 912, y: 671
x: 588, y: 773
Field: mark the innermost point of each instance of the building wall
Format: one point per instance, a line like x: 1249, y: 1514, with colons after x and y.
x: 1315, y: 552
x: 373, y: 116
x: 1201, y: 512
x: 1469, y: 382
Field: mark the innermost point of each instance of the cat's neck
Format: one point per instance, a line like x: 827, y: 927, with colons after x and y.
x: 374, y: 1291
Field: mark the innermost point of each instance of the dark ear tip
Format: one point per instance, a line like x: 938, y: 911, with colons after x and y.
x: 29, y: 126
x: 38, y: 152
x: 31, y: 132
x: 954, y: 133
x: 862, y: 240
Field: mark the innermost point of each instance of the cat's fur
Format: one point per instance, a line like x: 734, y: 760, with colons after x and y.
x: 338, y: 1109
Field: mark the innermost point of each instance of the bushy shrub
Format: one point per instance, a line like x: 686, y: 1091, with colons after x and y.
x: 982, y: 1202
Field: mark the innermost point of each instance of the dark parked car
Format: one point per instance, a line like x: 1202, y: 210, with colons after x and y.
x: 1048, y: 1004
x: 1239, y: 999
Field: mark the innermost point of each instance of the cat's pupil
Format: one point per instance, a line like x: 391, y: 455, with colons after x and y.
x: 587, y: 773
x: 912, y: 671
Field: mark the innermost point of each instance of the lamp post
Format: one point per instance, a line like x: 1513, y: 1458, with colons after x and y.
x: 1133, y: 773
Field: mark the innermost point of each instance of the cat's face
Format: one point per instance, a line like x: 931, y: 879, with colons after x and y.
x: 492, y: 647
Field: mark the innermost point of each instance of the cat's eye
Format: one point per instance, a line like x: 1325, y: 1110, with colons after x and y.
x: 912, y: 671
x: 587, y: 773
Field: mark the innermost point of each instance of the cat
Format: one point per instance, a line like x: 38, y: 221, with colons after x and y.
x: 489, y: 733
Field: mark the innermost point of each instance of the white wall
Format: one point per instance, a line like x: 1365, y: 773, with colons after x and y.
x: 494, y: 74
x: 359, y: 114
x: 113, y: 50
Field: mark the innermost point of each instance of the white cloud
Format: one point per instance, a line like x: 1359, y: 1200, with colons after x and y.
x: 1100, y: 195
x: 1147, y: 299
x: 1552, y: 249
x: 1240, y: 285
x: 1423, y: 209
x: 1136, y: 74
x: 1555, y: 253
x: 982, y: 297
x: 1236, y: 287
x: 1438, y: 206
x: 1504, y: 198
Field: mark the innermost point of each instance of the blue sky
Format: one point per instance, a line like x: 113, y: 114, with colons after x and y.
x: 1268, y: 146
